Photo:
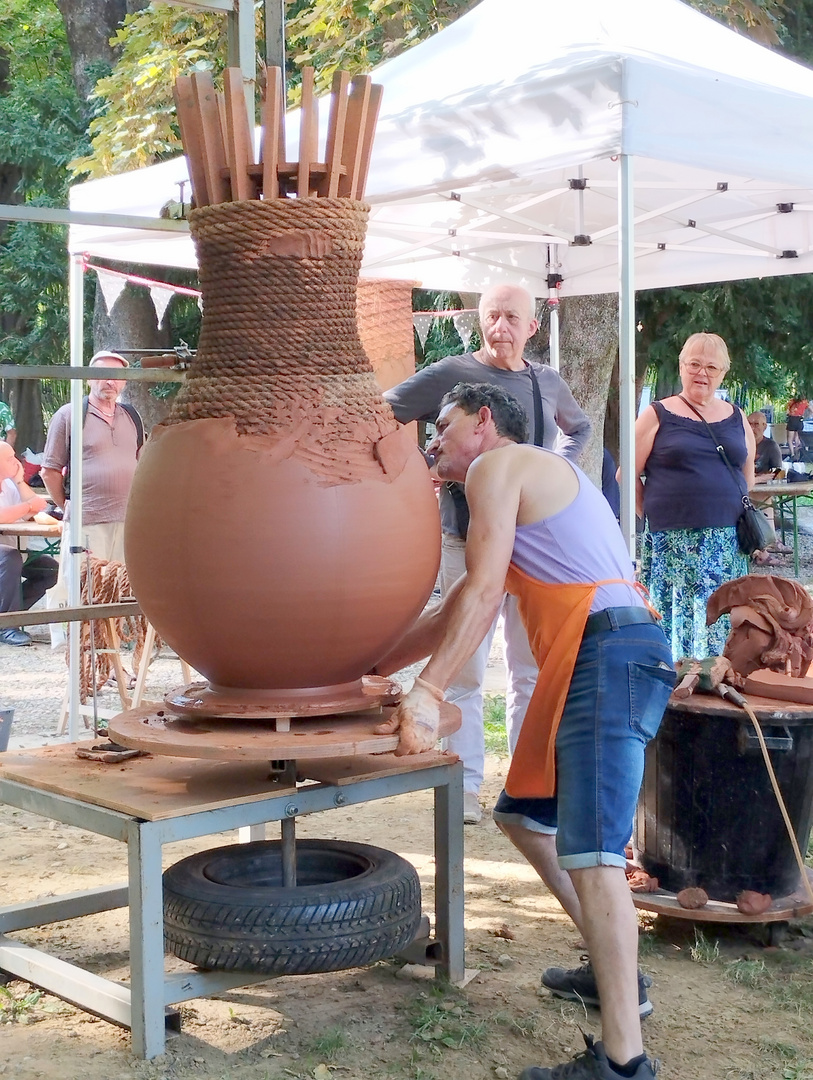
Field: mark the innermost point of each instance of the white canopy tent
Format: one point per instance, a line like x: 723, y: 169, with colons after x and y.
x: 504, y: 133
x: 613, y: 144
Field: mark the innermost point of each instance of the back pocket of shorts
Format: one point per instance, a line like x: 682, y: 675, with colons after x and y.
x: 650, y: 687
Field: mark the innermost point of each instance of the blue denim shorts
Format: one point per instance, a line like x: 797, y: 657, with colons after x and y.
x: 619, y: 690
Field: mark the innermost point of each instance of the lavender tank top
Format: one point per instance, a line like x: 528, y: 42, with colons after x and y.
x: 580, y: 544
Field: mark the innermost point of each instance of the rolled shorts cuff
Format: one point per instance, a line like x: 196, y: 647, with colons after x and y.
x: 591, y: 858
x: 505, y: 818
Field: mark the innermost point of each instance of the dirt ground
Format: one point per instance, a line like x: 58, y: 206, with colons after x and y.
x: 726, y: 1006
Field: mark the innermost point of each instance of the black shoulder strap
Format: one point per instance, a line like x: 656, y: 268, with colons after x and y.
x: 132, y: 412
x: 539, y: 419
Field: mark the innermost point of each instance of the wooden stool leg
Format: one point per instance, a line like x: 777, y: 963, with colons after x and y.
x: 115, y: 657
x: 143, y: 667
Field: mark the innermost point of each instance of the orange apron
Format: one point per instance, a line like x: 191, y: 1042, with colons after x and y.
x: 554, y: 617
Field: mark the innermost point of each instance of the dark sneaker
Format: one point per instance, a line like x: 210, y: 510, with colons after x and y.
x: 592, y: 1064
x: 579, y: 984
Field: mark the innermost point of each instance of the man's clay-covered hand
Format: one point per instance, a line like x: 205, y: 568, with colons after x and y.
x: 417, y: 719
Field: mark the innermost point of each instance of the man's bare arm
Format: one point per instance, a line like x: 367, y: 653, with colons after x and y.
x: 54, y: 484
x: 493, y: 496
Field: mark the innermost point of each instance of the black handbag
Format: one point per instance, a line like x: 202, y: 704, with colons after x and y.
x: 754, y: 531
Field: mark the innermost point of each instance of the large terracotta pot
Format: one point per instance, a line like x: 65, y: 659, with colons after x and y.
x: 282, y: 532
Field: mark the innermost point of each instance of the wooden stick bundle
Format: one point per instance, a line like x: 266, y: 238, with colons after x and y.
x: 219, y: 146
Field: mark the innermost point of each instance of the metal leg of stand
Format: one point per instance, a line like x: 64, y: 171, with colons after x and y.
x: 146, y: 940
x: 449, y: 894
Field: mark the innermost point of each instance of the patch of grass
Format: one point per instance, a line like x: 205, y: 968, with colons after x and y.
x: 751, y: 973
x: 496, y: 739
x: 438, y: 1021
x: 704, y: 951
x: 329, y: 1044
x: 649, y: 944
x: 17, y: 1007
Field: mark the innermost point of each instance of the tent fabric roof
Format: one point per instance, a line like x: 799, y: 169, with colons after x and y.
x: 496, y: 156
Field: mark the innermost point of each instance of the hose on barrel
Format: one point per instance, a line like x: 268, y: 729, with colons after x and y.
x: 729, y: 693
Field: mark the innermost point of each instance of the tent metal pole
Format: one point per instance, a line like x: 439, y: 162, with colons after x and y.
x: 626, y: 347
x: 72, y: 558
x: 553, y: 345
x: 242, y: 52
x: 274, y: 11
x: 554, y: 280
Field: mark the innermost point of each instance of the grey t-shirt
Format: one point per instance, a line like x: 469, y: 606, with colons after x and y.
x: 566, y: 428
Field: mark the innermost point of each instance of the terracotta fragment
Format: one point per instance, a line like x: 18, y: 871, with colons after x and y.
x: 640, y: 881
x: 753, y: 903
x: 773, y: 684
x: 692, y: 899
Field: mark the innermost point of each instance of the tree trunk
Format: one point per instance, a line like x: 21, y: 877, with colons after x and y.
x: 588, y: 339
x: 133, y: 326
x: 89, y: 26
x: 23, y: 395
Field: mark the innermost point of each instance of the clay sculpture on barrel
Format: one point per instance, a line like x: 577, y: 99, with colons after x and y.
x: 282, y: 532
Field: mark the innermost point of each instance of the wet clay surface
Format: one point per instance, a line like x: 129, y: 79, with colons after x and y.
x: 276, y: 580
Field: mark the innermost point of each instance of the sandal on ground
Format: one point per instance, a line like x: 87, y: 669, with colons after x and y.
x: 762, y: 558
x: 781, y: 549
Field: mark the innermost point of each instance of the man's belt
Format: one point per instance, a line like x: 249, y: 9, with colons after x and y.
x: 614, y: 618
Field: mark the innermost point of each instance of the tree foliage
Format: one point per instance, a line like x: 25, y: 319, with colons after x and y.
x: 42, y: 125
x: 136, y: 123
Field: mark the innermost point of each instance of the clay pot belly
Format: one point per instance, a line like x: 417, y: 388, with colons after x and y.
x: 263, y: 575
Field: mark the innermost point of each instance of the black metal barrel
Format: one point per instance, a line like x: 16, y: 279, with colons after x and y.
x: 707, y: 814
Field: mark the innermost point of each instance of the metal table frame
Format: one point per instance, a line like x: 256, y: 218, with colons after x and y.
x: 141, y: 1006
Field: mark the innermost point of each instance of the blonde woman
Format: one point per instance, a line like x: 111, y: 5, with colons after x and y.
x: 690, y: 498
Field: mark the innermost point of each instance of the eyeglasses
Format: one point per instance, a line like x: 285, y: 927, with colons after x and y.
x: 694, y: 367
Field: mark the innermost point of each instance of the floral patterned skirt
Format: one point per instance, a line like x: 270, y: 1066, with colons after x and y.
x: 681, y: 568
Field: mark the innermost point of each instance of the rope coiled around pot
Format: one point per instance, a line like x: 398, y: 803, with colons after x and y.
x: 279, y: 351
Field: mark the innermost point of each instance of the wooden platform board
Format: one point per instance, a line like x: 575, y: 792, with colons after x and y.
x: 146, y: 787
x: 158, y: 731
x: 768, y: 710
x: 367, y: 767
x: 786, y: 907
x: 153, y: 788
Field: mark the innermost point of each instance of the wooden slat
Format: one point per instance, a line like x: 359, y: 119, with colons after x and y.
x: 239, y: 143
x: 186, y: 109
x: 289, y: 170
x: 13, y: 619
x: 273, y: 111
x: 370, y: 121
x: 357, y: 105
x: 335, y: 134
x: 212, y: 136
x: 308, y: 135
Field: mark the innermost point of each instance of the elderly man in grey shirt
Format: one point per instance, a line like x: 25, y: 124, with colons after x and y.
x: 507, y: 321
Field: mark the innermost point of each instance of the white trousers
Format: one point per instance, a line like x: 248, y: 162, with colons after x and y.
x: 467, y: 690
